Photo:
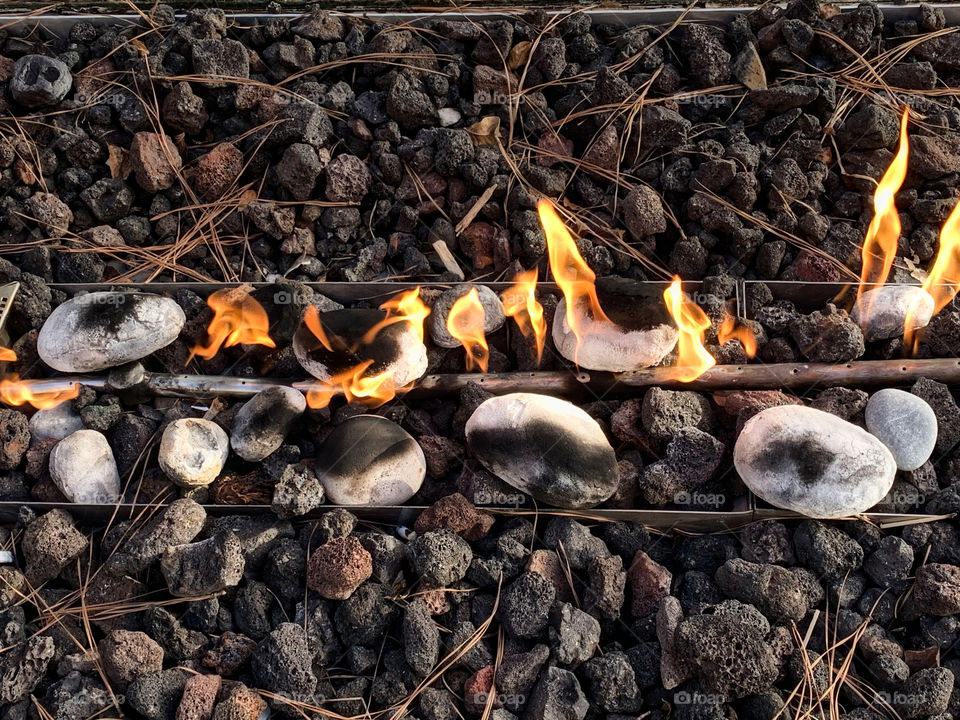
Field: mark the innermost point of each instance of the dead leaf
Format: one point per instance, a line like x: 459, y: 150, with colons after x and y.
x: 485, y: 131
x: 141, y: 48
x: 519, y: 54
x: 916, y: 272
x: 117, y: 161
x: 246, y: 197
x: 829, y: 10
x: 25, y: 171
x: 928, y: 657
x: 826, y: 156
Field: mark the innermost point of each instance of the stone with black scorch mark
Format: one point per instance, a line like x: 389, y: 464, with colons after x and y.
x: 100, y: 330
x: 546, y: 447
x: 812, y: 462
x: 369, y: 460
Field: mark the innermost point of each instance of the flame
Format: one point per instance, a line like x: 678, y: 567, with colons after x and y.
x: 570, y: 270
x: 465, y: 322
x: 406, y: 307
x: 880, y: 243
x: 14, y: 391
x: 373, y: 391
x: 7, y: 355
x: 238, y: 319
x: 520, y: 303
x: 729, y: 330
x: 692, y: 357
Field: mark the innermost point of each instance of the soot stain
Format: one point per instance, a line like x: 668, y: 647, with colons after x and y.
x: 807, y: 458
x: 109, y: 316
x: 345, y: 329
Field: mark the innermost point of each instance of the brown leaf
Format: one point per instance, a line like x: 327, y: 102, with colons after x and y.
x: 928, y: 657
x: 247, y: 197
x: 25, y: 171
x: 485, y: 131
x: 117, y: 161
x: 141, y: 48
x: 519, y: 54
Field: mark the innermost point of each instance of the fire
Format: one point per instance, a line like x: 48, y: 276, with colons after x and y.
x: 944, y: 279
x: 520, y: 303
x: 880, y: 243
x: 465, y: 322
x: 406, y: 307
x: 729, y: 330
x: 692, y: 357
x: 373, y: 391
x: 14, y: 391
x: 238, y: 319
x: 570, y: 270
x: 7, y: 355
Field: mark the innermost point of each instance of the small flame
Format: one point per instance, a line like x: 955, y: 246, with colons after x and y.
x: 692, y: 357
x: 729, y: 330
x: 14, y: 391
x: 943, y: 282
x: 406, y: 307
x: 880, y: 243
x: 465, y: 322
x: 520, y: 303
x: 570, y: 270
x: 7, y: 355
x: 238, y: 319
x: 373, y: 391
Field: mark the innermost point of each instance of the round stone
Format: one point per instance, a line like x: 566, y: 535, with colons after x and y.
x: 193, y: 451
x: 369, y: 460
x: 56, y: 422
x: 493, y: 315
x: 40, y: 81
x: 83, y: 467
x: 263, y: 422
x: 905, y: 423
x: 813, y: 462
x: 546, y: 447
x: 99, y: 330
x: 882, y: 312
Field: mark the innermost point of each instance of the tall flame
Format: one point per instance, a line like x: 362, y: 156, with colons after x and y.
x: 353, y: 383
x: 729, y: 330
x: 238, y: 319
x: 692, y: 357
x: 14, y: 391
x: 7, y: 355
x: 943, y: 282
x: 465, y: 322
x: 570, y: 270
x: 880, y: 243
x: 520, y: 303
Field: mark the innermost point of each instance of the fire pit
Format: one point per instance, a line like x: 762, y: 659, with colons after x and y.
x: 554, y: 365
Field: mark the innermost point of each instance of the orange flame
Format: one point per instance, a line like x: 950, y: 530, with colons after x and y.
x: 14, y: 391
x: 7, y: 355
x: 353, y: 384
x: 373, y: 391
x: 406, y: 307
x: 880, y: 243
x: 943, y: 282
x: 465, y: 322
x: 238, y: 319
x: 520, y: 303
x: 729, y: 330
x: 570, y: 270
x: 692, y: 357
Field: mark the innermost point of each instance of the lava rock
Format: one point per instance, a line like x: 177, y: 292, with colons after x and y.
x: 524, y: 609
x: 203, y: 568
x: 643, y: 213
x: 421, y: 638
x: 23, y: 668
x: 14, y: 438
x: 890, y: 564
x: 227, y: 60
x: 925, y: 693
x: 369, y: 460
x: 175, y: 524
x: 51, y: 213
x: 193, y: 451
x: 578, y: 545
x: 155, y: 161
x: 126, y: 655
x: 101, y: 330
x: 440, y: 558
x: 83, y: 467
x: 338, y: 567
x: 262, y: 423
x: 348, y: 179
x: 199, y: 697
x: 546, y: 447
x: 456, y: 513
x: 39, y: 81
x: 50, y: 543
x: 830, y: 336
x: 297, y: 492
x: 830, y: 553
x: 812, y: 462
x: 936, y: 590
x: 283, y: 664
x: 557, y: 696
x: 156, y: 696
x: 905, y: 423
x: 939, y: 397
x: 649, y: 583
x: 665, y: 412
x: 774, y: 590
x: 613, y: 684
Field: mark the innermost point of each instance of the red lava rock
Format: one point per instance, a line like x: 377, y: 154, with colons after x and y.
x: 217, y: 170
x: 242, y: 704
x: 199, y: 697
x: 348, y: 179
x: 555, y: 148
x: 436, y: 601
x: 14, y: 438
x: 155, y: 161
x: 477, y: 688
x: 547, y: 564
x: 456, y: 513
x: 232, y: 652
x: 809, y: 267
x: 483, y: 243
x: 626, y: 424
x: 649, y: 582
x: 127, y: 655
x: 937, y: 589
x: 441, y: 453
x: 104, y: 236
x: 338, y: 568
x: 6, y: 68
